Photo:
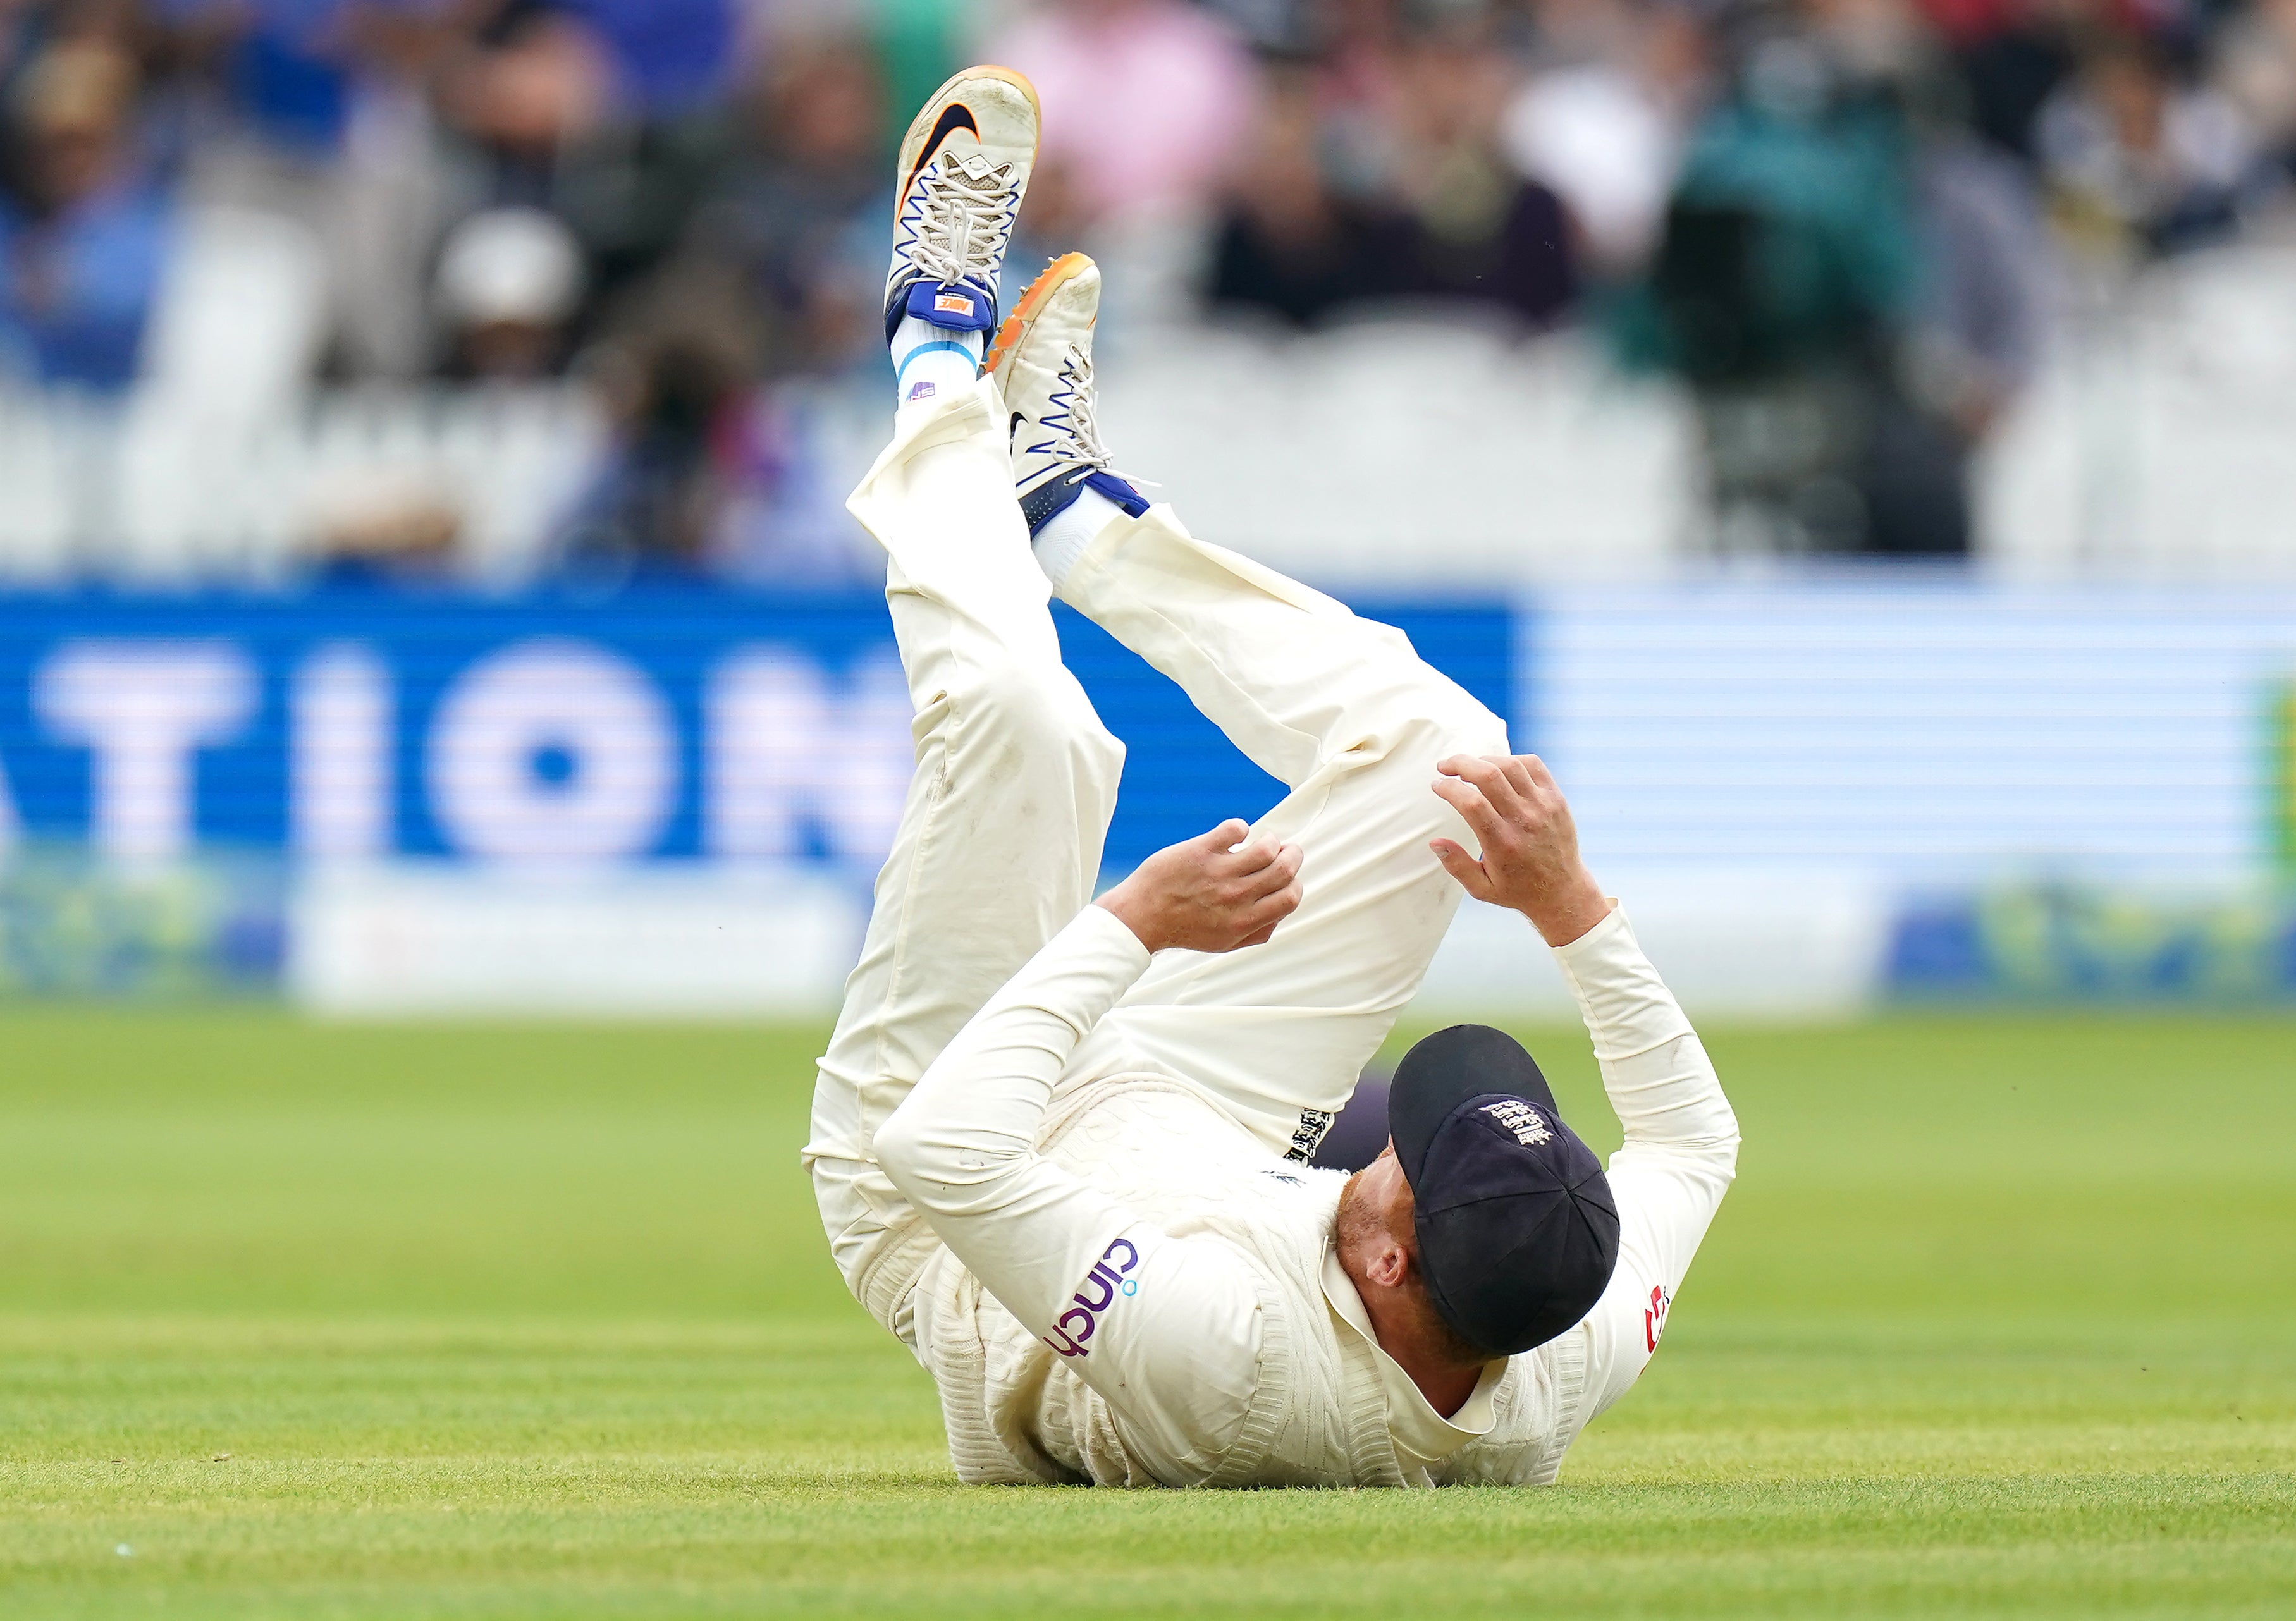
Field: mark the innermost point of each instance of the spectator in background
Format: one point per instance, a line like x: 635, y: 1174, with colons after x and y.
x: 916, y: 43
x: 545, y: 113
x: 317, y: 111
x: 628, y: 179
x: 2012, y: 56
x: 708, y: 477
x: 1979, y: 324
x: 1606, y: 134
x: 2143, y: 158
x: 1144, y: 103
x: 2254, y: 59
x: 1853, y: 286
x: 808, y: 187
x: 773, y: 276
x: 84, y: 231
x: 1358, y: 47
x: 1972, y: 337
x: 1319, y: 215
x: 1789, y: 267
x: 527, y: 89
x: 1144, y: 100
x: 1480, y: 230
x: 1845, y: 267
x: 1288, y: 242
x: 676, y: 377
x: 797, y: 223
x: 509, y: 281
x: 668, y: 58
x: 368, y: 528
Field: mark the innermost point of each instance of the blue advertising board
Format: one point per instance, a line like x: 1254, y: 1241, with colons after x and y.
x: 657, y: 725
x: 2021, y: 794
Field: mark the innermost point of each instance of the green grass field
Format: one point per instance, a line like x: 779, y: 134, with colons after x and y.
x: 310, y: 1321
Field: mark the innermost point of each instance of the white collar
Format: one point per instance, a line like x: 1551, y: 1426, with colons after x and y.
x: 1420, y: 1433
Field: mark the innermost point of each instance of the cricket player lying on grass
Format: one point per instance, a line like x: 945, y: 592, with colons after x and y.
x: 1061, y: 1147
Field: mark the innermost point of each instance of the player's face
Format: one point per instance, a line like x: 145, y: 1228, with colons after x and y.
x: 1384, y: 1186
x: 1374, y: 1239
x: 1376, y: 1204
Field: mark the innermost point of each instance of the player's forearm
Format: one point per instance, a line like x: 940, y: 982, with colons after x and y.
x: 962, y: 1147
x: 970, y: 1126
x: 1660, y: 1083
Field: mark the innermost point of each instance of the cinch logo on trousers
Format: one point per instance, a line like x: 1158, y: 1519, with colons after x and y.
x: 1101, y: 1286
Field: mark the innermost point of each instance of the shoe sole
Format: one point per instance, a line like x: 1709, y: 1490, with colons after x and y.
x: 921, y: 127
x: 1022, y: 321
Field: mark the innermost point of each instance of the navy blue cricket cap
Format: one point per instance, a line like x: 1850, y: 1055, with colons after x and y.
x: 1517, y: 1234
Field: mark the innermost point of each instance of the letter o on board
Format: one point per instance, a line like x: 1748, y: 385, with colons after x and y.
x: 553, y: 750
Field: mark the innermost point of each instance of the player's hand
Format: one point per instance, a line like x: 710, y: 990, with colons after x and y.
x: 1212, y: 893
x: 1530, y: 848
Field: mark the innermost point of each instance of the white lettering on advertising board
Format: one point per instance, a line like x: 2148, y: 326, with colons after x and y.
x: 553, y: 750
x: 143, y: 709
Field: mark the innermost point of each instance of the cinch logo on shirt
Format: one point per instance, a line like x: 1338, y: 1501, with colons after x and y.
x: 951, y: 303
x: 1527, y: 1124
x: 1654, y: 1317
x: 1101, y: 1286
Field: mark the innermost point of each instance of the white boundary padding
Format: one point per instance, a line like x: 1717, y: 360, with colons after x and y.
x: 1730, y: 945
x: 407, y: 939
x: 411, y: 939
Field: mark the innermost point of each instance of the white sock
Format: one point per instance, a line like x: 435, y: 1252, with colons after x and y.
x: 929, y: 360
x: 1069, y: 531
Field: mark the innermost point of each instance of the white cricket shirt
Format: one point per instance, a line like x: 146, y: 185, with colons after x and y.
x: 1135, y: 1290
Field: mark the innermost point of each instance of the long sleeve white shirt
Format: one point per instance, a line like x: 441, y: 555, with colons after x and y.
x: 1147, y: 1294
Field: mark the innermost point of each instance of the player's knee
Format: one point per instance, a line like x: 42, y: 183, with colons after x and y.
x: 1460, y: 726
x: 898, y: 1149
x: 1041, y: 713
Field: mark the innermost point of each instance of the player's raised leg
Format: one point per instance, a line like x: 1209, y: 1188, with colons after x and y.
x: 1000, y: 839
x: 1339, y: 709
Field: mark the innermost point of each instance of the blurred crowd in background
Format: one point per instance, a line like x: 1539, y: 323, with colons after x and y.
x: 1848, y: 226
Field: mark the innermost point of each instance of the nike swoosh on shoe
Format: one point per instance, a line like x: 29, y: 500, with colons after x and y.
x: 954, y: 116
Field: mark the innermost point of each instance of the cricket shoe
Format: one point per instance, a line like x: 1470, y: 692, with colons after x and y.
x: 964, y: 168
x: 1042, y: 362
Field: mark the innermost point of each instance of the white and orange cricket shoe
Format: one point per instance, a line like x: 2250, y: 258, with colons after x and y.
x: 963, y: 169
x: 1042, y: 362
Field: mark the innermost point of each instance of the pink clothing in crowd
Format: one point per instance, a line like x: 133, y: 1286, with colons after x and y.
x: 1144, y: 100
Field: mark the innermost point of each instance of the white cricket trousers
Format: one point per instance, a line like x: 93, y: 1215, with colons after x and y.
x: 1000, y: 838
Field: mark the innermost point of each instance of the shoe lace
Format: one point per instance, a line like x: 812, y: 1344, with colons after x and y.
x: 961, y: 221
x: 1079, y: 425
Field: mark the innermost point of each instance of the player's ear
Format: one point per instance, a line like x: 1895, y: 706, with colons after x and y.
x: 1391, y: 1267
